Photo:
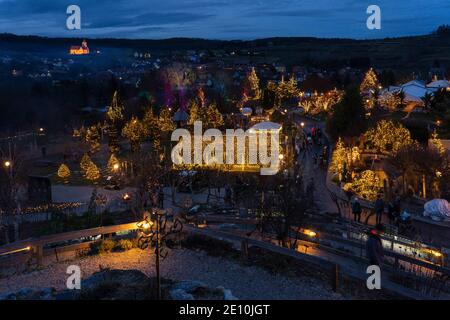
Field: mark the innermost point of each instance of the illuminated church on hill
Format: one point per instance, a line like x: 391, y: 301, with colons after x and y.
x: 77, y: 50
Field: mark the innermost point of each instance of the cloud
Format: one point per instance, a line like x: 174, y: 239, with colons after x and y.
x: 147, y: 19
x: 222, y: 18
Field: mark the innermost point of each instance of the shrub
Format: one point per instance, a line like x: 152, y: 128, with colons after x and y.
x: 125, y: 244
x: 106, y: 246
x: 210, y: 245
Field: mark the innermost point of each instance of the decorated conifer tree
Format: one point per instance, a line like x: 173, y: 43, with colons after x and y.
x: 93, y: 138
x: 253, y: 81
x: 115, y: 118
x: 113, y: 161
x: 135, y: 131
x: 63, y: 171
x: 214, y: 117
x: 165, y: 121
x: 194, y: 112
x: 370, y: 81
x: 85, y: 161
x: 150, y: 122
x: 92, y: 173
x: 339, y: 158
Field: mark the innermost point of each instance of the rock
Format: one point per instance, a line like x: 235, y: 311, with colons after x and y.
x: 179, y: 294
x: 68, y: 295
x: 118, y: 285
x: 47, y: 294
x: 189, y: 285
x: 8, y: 296
x: 25, y: 293
x: 227, y: 295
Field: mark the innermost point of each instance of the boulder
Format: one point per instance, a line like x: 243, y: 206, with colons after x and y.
x: 30, y: 294
x: 227, y: 295
x: 8, y: 296
x: 179, y: 294
x: 188, y: 285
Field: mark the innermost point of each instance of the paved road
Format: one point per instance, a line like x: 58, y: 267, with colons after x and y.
x: 312, y: 170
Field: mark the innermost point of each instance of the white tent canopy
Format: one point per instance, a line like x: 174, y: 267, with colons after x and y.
x: 266, y: 125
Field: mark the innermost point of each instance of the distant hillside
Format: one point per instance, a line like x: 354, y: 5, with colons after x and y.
x: 418, y: 52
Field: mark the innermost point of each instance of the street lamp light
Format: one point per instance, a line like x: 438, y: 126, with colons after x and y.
x: 7, y: 164
x: 302, y: 125
x: 116, y: 167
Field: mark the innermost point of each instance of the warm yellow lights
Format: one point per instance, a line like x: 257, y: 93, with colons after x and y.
x: 436, y: 253
x: 126, y: 197
x: 16, y: 251
x: 7, y: 164
x: 116, y: 166
x: 309, y: 233
x: 147, y: 225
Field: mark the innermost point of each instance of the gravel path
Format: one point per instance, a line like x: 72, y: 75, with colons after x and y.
x: 181, y: 264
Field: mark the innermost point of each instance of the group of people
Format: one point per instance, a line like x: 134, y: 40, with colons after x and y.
x: 393, y: 209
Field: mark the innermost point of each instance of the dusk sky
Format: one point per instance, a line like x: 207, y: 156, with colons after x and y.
x: 223, y: 19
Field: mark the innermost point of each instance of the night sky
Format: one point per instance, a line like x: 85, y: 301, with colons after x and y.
x: 223, y: 19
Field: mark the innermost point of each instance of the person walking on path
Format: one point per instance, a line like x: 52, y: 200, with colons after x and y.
x: 356, y: 210
x: 374, y: 246
x: 379, y: 209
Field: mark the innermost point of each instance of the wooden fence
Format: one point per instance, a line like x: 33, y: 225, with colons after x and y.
x: 36, y: 246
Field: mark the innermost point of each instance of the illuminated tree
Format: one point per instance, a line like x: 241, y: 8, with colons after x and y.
x: 370, y: 89
x: 390, y: 101
x: 306, y: 104
x: 135, y: 131
x: 339, y: 159
x: 437, y: 143
x: 370, y: 82
x: 214, y: 118
x: 194, y: 112
x: 150, y: 121
x: 63, y: 171
x: 367, y: 185
x: 165, y: 121
x: 323, y: 102
x: 113, y: 161
x: 253, y: 81
x: 287, y: 89
x: 92, y: 173
x: 85, y: 161
x: 115, y: 118
x: 388, y: 137
x: 93, y: 138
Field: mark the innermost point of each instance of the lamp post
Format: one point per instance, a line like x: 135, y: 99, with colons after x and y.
x: 156, y: 232
x: 8, y: 165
